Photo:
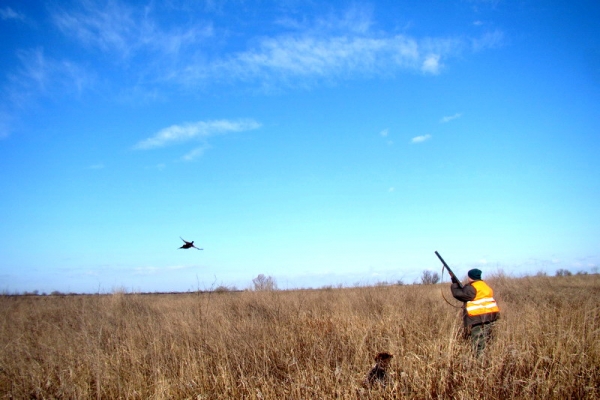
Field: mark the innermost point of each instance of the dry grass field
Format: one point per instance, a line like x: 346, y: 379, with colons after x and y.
x: 316, y: 344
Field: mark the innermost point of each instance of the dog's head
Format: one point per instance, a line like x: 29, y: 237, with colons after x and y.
x: 383, y: 359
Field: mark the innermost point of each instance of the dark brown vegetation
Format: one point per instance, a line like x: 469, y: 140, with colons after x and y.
x: 301, y: 344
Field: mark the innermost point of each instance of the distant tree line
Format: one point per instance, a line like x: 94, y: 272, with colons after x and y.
x: 263, y: 282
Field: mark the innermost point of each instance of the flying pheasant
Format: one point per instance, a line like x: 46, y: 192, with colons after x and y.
x: 187, y: 244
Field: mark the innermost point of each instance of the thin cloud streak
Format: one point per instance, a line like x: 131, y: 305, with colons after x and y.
x: 125, y: 31
x: 420, y: 139
x: 285, y: 59
x: 306, y: 57
x: 196, y: 153
x: 153, y: 59
x: 450, y: 118
x: 5, y: 124
x: 7, y: 13
x: 336, y: 48
x: 202, y: 129
x: 40, y: 75
x: 96, y: 166
x: 489, y: 40
x: 152, y: 270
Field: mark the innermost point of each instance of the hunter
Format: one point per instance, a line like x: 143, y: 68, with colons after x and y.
x: 480, y: 310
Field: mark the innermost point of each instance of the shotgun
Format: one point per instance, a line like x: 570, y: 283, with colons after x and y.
x: 454, y: 278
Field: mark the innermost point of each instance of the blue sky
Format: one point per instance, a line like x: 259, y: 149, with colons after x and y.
x: 320, y: 143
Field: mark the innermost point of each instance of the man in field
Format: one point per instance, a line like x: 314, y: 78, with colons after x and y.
x: 480, y: 310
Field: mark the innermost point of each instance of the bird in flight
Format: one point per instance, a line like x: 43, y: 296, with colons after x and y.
x: 187, y: 244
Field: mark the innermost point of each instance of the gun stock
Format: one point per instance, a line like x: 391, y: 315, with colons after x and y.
x: 454, y: 278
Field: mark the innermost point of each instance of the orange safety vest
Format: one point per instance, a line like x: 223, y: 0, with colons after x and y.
x: 484, y: 302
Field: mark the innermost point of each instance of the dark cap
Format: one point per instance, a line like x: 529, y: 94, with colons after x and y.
x: 474, y: 274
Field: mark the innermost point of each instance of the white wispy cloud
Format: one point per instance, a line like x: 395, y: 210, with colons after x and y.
x: 5, y: 124
x: 489, y: 40
x: 152, y: 270
x: 109, y: 28
x: 385, y: 134
x: 339, y: 46
x: 305, y: 58
x: 420, y: 139
x: 450, y: 118
x: 195, y: 130
x: 126, y: 31
x: 34, y: 70
x: 431, y: 64
x: 146, y: 270
x: 303, y: 52
x: 176, y: 267
x: 7, y: 13
x: 39, y: 75
x: 195, y: 153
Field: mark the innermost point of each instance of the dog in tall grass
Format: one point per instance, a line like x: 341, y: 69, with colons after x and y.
x: 379, y: 373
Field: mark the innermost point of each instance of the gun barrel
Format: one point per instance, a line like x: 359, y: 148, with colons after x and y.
x: 441, y: 259
x: 449, y: 270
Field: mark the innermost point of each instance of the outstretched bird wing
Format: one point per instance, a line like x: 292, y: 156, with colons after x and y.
x: 187, y: 244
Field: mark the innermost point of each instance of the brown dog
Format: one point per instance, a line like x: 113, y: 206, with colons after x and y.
x: 378, y: 374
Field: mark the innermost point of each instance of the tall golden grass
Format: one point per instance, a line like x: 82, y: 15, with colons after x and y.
x: 301, y: 344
